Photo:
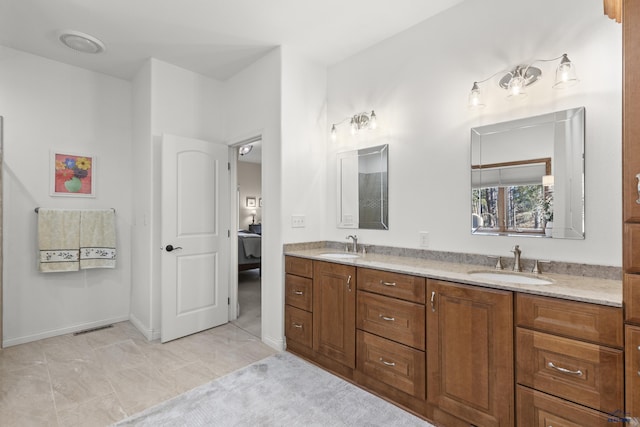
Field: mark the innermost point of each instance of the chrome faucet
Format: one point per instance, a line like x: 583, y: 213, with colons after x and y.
x: 355, y: 241
x: 516, y: 253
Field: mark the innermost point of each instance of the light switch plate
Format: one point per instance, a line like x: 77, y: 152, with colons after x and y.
x: 297, y: 221
x: 424, y: 239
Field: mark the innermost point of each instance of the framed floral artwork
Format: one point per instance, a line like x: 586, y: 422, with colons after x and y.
x: 73, y: 175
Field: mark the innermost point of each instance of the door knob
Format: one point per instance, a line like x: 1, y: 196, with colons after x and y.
x: 170, y: 248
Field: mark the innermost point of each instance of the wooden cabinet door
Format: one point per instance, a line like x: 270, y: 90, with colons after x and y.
x: 632, y: 370
x: 470, y: 352
x: 334, y: 312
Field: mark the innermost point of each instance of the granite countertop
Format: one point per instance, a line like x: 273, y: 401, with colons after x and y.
x: 575, y: 288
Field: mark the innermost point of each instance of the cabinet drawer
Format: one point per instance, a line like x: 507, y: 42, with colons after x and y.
x: 298, y: 292
x: 298, y: 266
x: 398, y: 320
x: 394, y: 364
x: 589, y: 322
x: 584, y: 373
x: 535, y: 409
x: 631, y: 248
x: 631, y: 298
x: 410, y: 288
x: 298, y: 325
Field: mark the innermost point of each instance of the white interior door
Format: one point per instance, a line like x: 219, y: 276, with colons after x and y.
x: 195, y: 236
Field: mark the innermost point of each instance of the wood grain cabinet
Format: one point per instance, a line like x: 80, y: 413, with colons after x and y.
x: 470, y: 353
x: 298, y: 318
x: 334, y: 312
x: 632, y: 361
x: 391, y: 336
x: 630, y: 197
x: 572, y: 351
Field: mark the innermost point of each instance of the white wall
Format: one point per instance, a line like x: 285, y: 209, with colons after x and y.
x: 418, y: 83
x: 249, y: 185
x: 49, y: 105
x: 168, y: 100
x: 252, y: 104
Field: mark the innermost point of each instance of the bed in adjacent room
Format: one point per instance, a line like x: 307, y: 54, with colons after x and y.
x: 249, y: 250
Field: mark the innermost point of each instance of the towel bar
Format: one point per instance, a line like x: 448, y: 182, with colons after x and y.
x: 38, y: 209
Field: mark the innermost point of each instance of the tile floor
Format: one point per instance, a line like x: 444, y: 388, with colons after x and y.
x: 101, y: 377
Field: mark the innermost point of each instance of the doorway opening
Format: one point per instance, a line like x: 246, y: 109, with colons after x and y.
x: 249, y: 229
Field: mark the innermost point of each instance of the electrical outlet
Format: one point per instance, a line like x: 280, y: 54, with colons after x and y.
x: 297, y: 221
x: 424, y: 239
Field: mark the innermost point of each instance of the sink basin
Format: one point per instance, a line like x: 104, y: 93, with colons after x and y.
x: 339, y: 255
x: 510, y: 277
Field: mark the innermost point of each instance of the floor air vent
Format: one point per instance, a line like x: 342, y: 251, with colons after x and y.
x: 99, y: 328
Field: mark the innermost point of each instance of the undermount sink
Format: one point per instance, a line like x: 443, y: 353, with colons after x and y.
x: 510, y: 277
x: 339, y: 255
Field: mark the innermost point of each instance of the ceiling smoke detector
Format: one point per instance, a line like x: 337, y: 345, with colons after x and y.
x: 81, y: 42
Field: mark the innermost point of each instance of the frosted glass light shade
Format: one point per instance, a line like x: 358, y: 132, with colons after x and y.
x: 565, y: 74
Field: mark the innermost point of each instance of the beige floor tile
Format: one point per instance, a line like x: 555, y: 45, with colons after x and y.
x: 27, y: 391
x: 190, y: 376
x: 21, y: 356
x: 140, y: 388
x: 76, y: 381
x: 117, y: 333
x: 25, y: 419
x: 121, y: 355
x: 98, y: 412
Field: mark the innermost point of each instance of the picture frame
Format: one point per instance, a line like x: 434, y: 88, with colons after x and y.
x: 260, y: 202
x: 251, y: 202
x: 72, y: 174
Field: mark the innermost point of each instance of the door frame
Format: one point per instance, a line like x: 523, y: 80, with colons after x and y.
x: 234, y: 144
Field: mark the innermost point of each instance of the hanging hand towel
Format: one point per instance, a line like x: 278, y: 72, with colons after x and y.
x: 58, y: 240
x: 97, y: 239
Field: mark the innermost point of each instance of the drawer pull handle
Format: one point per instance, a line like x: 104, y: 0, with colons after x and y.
x: 433, y: 304
x: 384, y: 362
x: 298, y: 292
x: 297, y: 325
x: 387, y: 283
x: 388, y: 319
x: 565, y: 370
x: 638, y: 178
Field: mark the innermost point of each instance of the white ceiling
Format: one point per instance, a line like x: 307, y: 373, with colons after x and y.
x: 216, y: 38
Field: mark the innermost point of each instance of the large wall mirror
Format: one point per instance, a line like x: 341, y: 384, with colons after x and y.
x: 527, y: 176
x: 363, y: 190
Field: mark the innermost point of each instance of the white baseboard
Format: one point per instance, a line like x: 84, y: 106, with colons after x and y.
x: 62, y: 331
x: 149, y: 333
x: 275, y: 343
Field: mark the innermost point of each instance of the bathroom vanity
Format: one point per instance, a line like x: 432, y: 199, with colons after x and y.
x: 456, y: 346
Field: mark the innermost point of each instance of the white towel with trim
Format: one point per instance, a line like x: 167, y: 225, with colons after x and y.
x: 97, y: 239
x: 58, y: 240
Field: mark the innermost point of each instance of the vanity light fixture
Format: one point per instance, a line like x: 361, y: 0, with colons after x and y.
x: 357, y: 122
x: 81, y: 42
x: 245, y: 149
x: 516, y: 80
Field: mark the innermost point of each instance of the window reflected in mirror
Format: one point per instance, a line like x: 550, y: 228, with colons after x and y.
x: 510, y: 197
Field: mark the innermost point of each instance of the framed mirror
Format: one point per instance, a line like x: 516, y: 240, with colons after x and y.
x: 527, y: 176
x: 363, y: 190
